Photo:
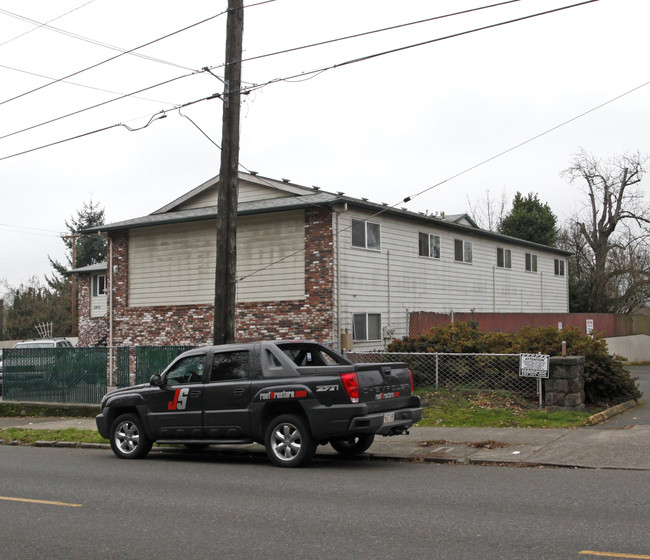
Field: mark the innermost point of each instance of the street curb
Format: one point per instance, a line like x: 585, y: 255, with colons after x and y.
x: 610, y: 412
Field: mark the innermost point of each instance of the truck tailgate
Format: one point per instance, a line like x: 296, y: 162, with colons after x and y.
x: 384, y: 386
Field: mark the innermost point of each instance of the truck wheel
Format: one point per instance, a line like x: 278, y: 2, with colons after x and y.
x: 128, y: 440
x: 353, y: 445
x: 288, y: 442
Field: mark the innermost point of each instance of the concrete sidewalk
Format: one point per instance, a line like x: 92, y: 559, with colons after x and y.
x: 588, y: 447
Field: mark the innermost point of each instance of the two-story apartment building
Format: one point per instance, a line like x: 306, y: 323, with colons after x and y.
x: 310, y: 264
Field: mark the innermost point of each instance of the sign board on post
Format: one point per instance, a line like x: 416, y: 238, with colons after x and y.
x: 589, y: 327
x: 533, y: 365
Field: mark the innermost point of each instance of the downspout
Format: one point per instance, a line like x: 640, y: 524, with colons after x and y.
x: 110, y: 310
x: 338, y: 322
x: 494, y: 289
x: 389, y: 288
x: 337, y: 334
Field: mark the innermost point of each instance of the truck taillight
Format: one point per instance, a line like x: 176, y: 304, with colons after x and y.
x: 412, y: 385
x: 351, y: 384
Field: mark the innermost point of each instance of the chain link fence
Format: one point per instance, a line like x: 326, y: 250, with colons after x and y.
x: 475, y: 372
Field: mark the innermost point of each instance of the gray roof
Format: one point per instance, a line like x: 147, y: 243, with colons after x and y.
x: 89, y: 269
x: 311, y: 197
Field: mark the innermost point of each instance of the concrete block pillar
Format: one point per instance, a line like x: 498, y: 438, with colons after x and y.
x: 565, y: 387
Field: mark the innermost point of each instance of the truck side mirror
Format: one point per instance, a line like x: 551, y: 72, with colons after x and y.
x: 156, y: 380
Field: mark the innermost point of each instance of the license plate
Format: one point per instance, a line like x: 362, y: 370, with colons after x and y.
x: 389, y: 417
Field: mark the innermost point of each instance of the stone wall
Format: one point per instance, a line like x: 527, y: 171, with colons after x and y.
x: 565, y: 387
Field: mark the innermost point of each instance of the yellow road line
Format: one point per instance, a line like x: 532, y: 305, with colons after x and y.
x: 46, y: 502
x: 615, y: 554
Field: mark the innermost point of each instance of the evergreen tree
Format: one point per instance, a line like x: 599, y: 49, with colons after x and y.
x: 87, y: 250
x: 531, y: 220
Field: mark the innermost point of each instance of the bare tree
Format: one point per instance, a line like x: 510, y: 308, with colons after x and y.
x: 488, y: 211
x: 613, y: 228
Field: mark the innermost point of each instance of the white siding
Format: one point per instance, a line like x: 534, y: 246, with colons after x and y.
x: 442, y: 285
x: 174, y: 264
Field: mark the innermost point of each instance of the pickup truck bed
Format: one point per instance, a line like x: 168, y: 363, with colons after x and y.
x: 288, y: 396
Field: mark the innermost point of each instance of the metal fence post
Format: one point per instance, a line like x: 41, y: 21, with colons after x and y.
x: 437, y: 358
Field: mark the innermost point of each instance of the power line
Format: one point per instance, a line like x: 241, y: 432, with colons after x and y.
x: 412, y: 46
x: 49, y: 21
x: 77, y: 84
x: 122, y: 96
x: 528, y: 141
x: 72, y: 35
x: 95, y: 106
x: 77, y: 72
x: 156, y: 116
x: 129, y: 51
x: 391, y: 28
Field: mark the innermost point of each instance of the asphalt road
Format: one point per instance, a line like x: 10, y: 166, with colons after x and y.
x: 80, y: 503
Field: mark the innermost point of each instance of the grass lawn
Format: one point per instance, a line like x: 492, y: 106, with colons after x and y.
x: 485, y: 409
x: 26, y: 436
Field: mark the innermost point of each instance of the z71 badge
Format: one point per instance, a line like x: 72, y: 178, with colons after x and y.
x: 326, y: 388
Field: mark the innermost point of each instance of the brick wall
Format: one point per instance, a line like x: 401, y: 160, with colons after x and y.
x: 93, y: 331
x: 610, y: 324
x: 311, y: 318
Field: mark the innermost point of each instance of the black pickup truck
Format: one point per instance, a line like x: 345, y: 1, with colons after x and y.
x: 288, y: 396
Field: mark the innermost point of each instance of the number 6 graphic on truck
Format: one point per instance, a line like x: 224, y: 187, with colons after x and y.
x: 180, y: 399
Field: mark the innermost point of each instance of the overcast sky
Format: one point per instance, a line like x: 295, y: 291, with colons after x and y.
x: 383, y: 128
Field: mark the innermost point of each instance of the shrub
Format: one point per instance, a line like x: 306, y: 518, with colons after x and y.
x: 606, y: 380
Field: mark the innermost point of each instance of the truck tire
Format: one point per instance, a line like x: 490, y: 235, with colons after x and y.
x: 128, y: 440
x: 288, y: 441
x: 353, y: 445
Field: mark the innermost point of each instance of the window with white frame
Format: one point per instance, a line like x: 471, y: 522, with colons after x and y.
x: 559, y: 267
x: 429, y: 245
x: 366, y: 326
x: 366, y: 234
x: 531, y: 262
x: 99, y: 284
x: 462, y: 250
x: 504, y: 258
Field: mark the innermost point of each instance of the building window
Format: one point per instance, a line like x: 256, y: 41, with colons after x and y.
x: 99, y: 285
x: 429, y: 245
x: 559, y: 267
x: 366, y: 234
x: 462, y: 251
x: 531, y: 262
x: 504, y: 258
x: 366, y: 326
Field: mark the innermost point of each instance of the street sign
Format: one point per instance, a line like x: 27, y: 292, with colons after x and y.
x: 533, y: 365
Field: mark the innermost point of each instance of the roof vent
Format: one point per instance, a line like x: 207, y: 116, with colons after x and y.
x: 286, y: 180
x: 253, y: 172
x: 384, y: 203
x: 315, y: 188
x: 364, y: 199
x: 340, y: 193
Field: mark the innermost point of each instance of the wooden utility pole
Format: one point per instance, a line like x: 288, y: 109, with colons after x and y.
x: 225, y: 283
